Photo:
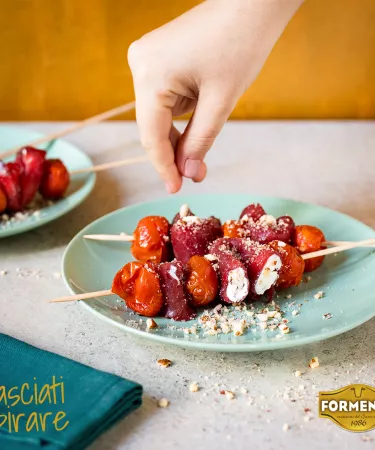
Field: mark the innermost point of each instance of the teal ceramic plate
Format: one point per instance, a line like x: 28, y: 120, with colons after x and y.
x: 80, y: 185
x: 346, y: 279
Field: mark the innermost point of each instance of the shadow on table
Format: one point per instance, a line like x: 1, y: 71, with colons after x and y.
x: 119, y: 433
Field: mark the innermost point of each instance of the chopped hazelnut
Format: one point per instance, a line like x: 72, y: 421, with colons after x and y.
x: 314, y: 363
x: 163, y: 403
x: 194, y: 387
x: 151, y: 324
x: 164, y: 362
x: 284, y: 328
x: 229, y: 395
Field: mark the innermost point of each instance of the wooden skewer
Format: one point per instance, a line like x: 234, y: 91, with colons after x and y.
x: 338, y: 249
x: 338, y: 243
x: 77, y: 126
x: 111, y: 165
x: 88, y: 295
x: 328, y: 251
x: 109, y: 237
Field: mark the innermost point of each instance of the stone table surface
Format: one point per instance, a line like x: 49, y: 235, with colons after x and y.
x: 328, y: 163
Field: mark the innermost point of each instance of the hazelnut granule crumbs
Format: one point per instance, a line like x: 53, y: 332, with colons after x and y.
x: 151, y: 324
x: 319, y: 295
x: 194, y: 387
x: 286, y: 427
x: 314, y: 363
x: 164, y: 362
x: 229, y: 395
x: 163, y: 403
x: 297, y: 373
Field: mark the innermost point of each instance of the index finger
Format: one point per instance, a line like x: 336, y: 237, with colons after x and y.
x: 154, y: 118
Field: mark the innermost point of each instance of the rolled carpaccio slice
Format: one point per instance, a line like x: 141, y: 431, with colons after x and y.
x: 233, y: 274
x: 191, y: 235
x: 254, y: 211
x: 10, y: 181
x: 32, y: 162
x: 265, y: 228
x: 261, y: 261
x: 172, y: 281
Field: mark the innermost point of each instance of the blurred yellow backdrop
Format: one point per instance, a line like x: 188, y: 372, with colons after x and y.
x: 66, y: 59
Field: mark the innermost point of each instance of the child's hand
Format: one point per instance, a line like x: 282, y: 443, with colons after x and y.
x: 202, y: 61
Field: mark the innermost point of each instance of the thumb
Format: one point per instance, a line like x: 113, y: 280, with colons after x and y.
x: 210, y: 114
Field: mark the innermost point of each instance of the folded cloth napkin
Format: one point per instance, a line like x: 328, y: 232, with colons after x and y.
x: 50, y: 402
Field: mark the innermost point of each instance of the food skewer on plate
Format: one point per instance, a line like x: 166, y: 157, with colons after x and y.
x: 132, y: 272
x: 31, y: 172
x: 123, y: 237
x: 190, y: 235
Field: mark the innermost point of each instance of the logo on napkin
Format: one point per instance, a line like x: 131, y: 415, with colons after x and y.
x: 33, y: 407
x: 351, y: 407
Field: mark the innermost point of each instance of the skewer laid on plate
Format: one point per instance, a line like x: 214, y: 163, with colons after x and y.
x: 129, y: 238
x: 325, y: 252
x: 73, y: 128
x: 52, y: 179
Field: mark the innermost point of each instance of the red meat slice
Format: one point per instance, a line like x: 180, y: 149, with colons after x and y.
x: 233, y: 274
x: 32, y: 160
x: 10, y: 181
x: 261, y: 261
x: 254, y: 211
x: 176, y: 300
x: 191, y: 236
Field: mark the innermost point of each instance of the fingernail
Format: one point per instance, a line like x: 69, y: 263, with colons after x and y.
x: 192, y: 168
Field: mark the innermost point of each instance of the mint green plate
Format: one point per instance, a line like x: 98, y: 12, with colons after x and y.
x: 80, y: 185
x: 347, y: 279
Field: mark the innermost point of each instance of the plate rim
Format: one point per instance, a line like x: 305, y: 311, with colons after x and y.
x: 85, y: 190
x: 211, y: 346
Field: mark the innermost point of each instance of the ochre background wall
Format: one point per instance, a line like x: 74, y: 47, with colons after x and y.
x: 66, y: 59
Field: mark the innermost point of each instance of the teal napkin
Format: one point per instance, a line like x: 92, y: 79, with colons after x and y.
x: 51, y: 402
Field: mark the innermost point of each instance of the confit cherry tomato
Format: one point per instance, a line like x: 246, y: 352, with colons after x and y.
x: 307, y: 239
x: 292, y: 265
x: 201, y: 281
x: 55, y: 179
x: 138, y: 285
x: 3, y: 201
x: 151, y: 240
x: 234, y: 229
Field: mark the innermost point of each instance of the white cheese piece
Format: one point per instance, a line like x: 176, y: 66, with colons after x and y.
x: 269, y: 275
x: 238, y: 285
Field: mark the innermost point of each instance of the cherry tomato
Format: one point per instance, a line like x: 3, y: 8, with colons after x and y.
x: 201, y: 281
x: 292, y: 267
x: 3, y: 201
x: 234, y: 229
x: 55, y: 179
x: 306, y: 239
x: 138, y: 285
x: 151, y: 240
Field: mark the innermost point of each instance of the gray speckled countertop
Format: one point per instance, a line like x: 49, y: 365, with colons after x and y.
x: 329, y: 163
